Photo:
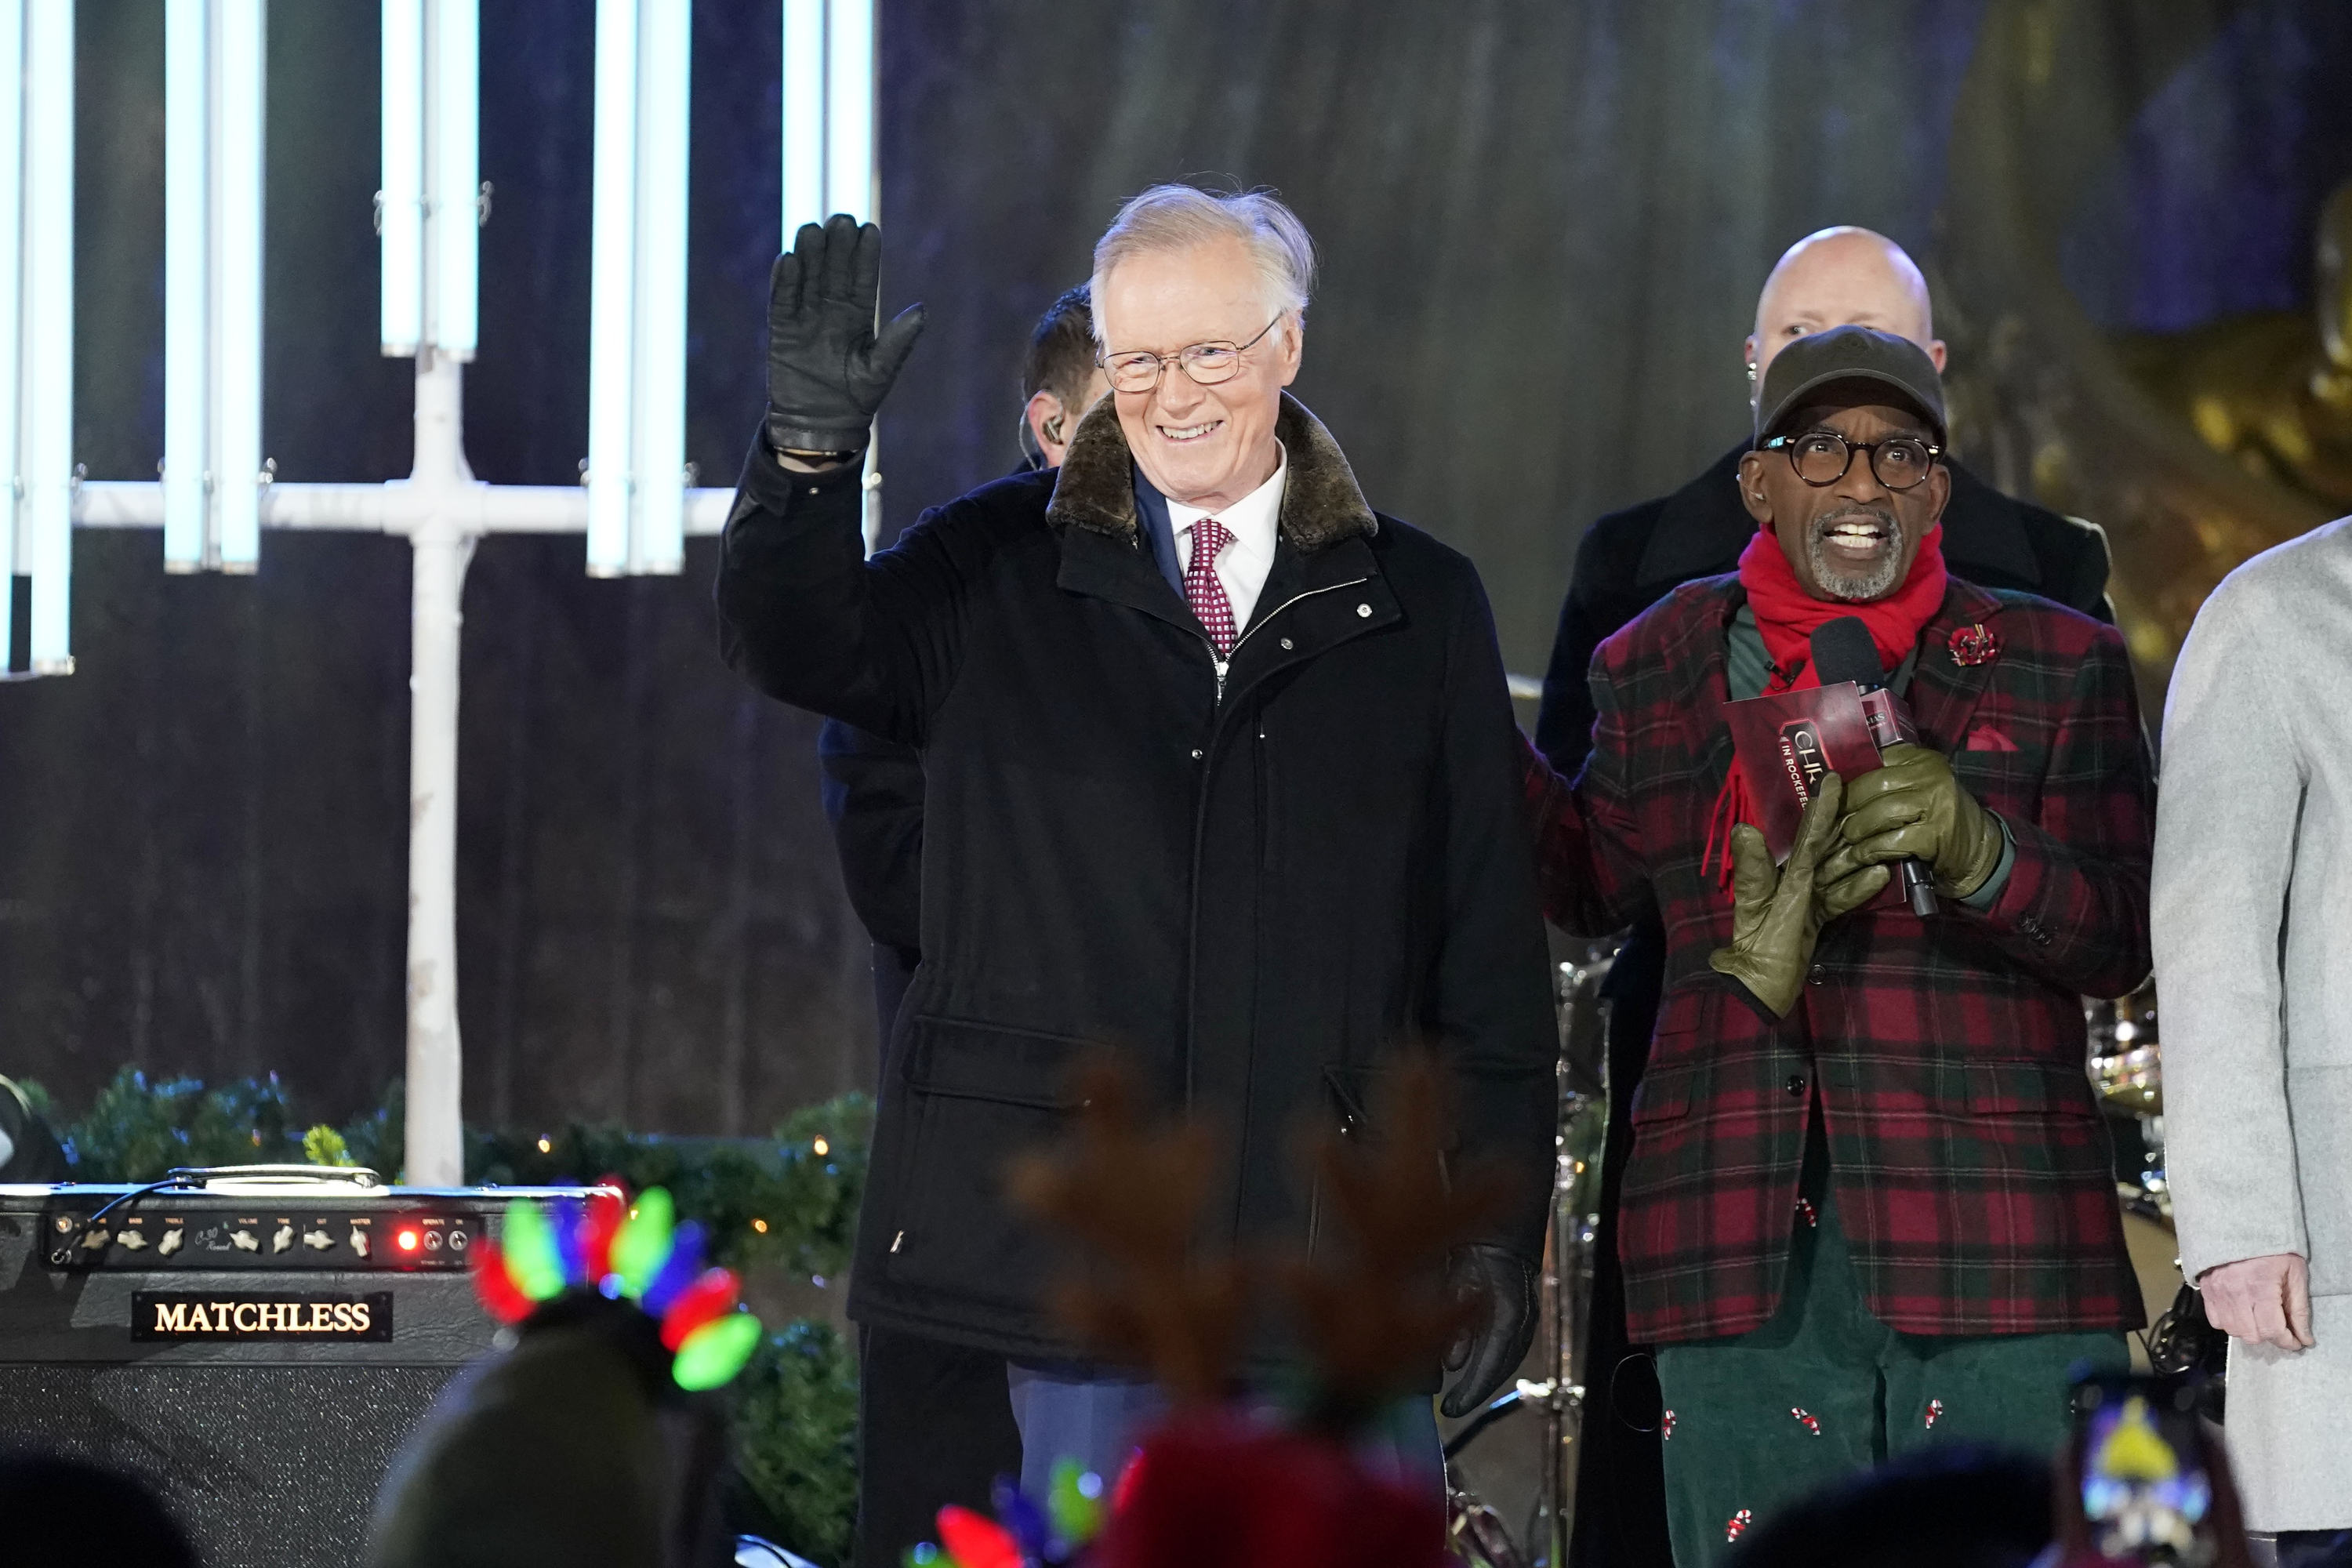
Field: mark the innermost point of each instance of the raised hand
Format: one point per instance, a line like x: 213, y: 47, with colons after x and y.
x: 828, y: 370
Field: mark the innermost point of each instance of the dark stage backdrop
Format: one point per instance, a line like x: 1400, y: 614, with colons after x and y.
x: 1543, y: 225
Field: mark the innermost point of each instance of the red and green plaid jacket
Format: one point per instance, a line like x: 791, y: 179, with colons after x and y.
x: 1971, y: 1170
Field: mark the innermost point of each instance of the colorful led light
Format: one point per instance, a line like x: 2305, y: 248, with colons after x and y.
x: 680, y: 1270
x: 716, y: 1351
x: 642, y: 1244
x: 975, y: 1541
x: 1074, y: 1502
x: 531, y: 1251
x: 495, y: 1287
x: 544, y: 1255
x: 710, y: 1298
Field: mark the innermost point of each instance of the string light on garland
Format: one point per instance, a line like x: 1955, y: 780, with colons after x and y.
x: 621, y: 1251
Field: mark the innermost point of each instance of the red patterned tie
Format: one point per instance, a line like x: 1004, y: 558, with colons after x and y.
x: 1201, y: 589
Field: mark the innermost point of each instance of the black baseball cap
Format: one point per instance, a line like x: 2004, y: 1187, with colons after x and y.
x: 1848, y: 354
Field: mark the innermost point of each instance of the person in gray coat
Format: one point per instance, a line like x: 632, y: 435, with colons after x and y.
x: 2252, y: 927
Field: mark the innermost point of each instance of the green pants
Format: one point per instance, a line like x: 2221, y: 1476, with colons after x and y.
x: 1825, y: 1389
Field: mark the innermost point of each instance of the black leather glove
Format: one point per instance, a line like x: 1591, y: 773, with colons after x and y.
x: 1504, y: 1285
x: 827, y: 369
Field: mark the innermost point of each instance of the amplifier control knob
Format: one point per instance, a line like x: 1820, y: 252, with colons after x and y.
x: 170, y: 1242
x: 131, y: 1241
x: 359, y: 1241
x: 317, y: 1240
x: 243, y: 1240
x: 96, y: 1239
x: 281, y: 1238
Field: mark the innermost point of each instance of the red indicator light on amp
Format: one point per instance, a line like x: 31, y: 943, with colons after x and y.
x: 408, y: 1240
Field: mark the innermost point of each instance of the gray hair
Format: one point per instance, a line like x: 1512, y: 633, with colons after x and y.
x: 1179, y: 217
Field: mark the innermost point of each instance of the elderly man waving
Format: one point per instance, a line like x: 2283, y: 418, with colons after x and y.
x: 1220, y: 770
x: 1869, y: 1205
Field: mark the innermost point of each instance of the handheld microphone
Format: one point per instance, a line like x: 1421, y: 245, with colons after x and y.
x: 1842, y: 650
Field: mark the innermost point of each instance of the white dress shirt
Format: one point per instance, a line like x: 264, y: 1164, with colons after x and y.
x: 1253, y: 521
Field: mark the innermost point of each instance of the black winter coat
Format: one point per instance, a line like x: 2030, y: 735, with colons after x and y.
x: 1255, y: 879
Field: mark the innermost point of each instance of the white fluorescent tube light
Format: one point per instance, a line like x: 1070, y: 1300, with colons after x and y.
x: 612, y: 247
x: 401, y: 217
x: 663, y: 76
x: 188, y: 262
x: 803, y: 115
x: 46, y: 465
x: 240, y: 38
x: 457, y: 181
x: 12, y: 165
x: 849, y: 109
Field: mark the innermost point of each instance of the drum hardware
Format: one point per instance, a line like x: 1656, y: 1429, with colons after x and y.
x: 1479, y: 1534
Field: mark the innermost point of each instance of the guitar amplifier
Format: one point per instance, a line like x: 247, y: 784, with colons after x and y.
x: 255, y: 1344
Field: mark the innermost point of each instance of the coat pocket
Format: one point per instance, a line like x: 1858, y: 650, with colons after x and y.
x: 2029, y: 1089
x: 978, y: 1096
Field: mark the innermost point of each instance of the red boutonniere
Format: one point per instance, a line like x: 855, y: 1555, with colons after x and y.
x: 1975, y: 644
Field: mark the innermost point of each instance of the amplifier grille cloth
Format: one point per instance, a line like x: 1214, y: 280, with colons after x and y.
x: 265, y: 1467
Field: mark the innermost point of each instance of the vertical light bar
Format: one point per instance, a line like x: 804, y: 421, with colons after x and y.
x: 456, y: 181
x: 187, y: 263
x: 47, y: 463
x: 849, y: 109
x: 12, y: 192
x: 663, y: 76
x: 402, y: 214
x: 611, y: 257
x: 803, y: 115
x: 240, y: 50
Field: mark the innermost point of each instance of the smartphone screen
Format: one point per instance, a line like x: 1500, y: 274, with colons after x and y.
x: 2147, y: 1494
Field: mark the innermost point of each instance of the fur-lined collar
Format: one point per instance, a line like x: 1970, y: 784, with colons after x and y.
x: 1321, y: 503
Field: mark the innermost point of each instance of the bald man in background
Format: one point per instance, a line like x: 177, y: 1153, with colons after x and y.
x: 1628, y: 561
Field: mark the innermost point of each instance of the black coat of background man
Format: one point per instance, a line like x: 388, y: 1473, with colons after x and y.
x: 1628, y: 561
x: 935, y: 1419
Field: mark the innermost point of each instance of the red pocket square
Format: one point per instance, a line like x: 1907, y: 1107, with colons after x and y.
x: 1985, y: 738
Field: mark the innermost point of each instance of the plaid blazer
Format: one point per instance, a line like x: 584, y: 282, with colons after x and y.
x: 1971, y: 1170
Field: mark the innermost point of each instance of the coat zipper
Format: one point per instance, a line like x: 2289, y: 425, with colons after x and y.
x: 1225, y: 664
x: 1200, y: 821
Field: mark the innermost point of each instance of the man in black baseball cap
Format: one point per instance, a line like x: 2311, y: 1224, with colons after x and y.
x: 1868, y: 1205
x: 1629, y: 560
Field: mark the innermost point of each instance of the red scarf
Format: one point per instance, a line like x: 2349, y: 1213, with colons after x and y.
x: 1787, y: 616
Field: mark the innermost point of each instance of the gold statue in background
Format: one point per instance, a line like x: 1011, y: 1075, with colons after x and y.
x: 2266, y: 390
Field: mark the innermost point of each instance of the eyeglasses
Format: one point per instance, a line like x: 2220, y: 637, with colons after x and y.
x: 1823, y: 457
x: 1206, y: 363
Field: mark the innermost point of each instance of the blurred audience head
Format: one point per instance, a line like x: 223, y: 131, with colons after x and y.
x: 1842, y: 277
x: 1956, y: 1507
x: 1059, y: 378
x: 65, y: 1511
x: 573, y: 1447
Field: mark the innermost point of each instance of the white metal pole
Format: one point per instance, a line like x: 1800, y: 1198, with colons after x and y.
x: 11, y: 320
x: 240, y: 46
x: 45, y: 459
x: 187, y: 263
x: 442, y: 544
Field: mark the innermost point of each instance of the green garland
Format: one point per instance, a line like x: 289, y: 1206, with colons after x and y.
x: 788, y: 1202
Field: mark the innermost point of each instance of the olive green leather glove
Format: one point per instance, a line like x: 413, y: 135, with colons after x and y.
x: 1913, y: 808
x: 1777, y: 915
